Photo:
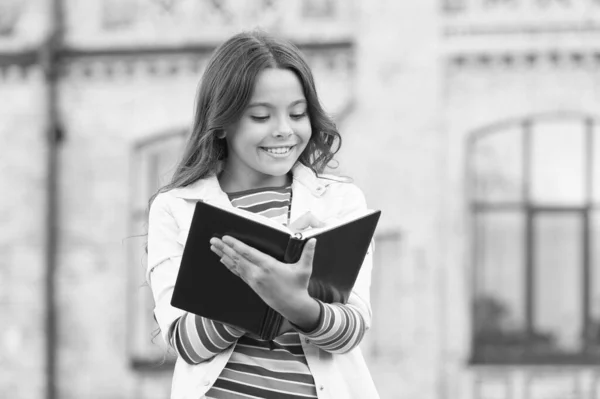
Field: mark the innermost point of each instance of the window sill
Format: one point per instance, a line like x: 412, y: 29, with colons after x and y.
x: 525, y: 357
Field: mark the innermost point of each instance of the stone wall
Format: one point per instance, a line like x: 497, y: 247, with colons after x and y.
x: 394, y: 149
x: 23, y: 173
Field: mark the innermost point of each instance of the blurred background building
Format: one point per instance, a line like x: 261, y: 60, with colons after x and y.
x: 473, y: 124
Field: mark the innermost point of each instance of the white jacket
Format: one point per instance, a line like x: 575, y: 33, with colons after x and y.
x: 337, y: 376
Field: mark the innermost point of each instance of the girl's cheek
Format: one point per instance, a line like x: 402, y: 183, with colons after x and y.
x: 305, y: 127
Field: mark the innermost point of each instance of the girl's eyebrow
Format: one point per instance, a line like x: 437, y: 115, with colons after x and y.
x: 269, y: 105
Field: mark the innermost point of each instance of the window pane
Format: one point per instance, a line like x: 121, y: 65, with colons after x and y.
x: 318, y: 8
x: 499, y: 301
x: 558, y: 289
x: 117, y: 14
x: 497, y: 164
x: 154, y: 167
x: 454, y: 5
x: 558, y: 162
x: 161, y: 164
x: 595, y: 273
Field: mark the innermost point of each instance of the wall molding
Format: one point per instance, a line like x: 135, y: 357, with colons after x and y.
x: 115, y: 63
x: 523, y: 30
x: 524, y: 59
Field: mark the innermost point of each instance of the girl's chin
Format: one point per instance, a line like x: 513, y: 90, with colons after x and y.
x: 278, y: 160
x: 279, y: 171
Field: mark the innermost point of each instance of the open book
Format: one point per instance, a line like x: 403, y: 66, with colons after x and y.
x: 205, y: 286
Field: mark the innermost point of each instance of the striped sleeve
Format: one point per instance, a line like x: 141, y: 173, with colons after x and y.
x: 341, y: 328
x: 197, y: 339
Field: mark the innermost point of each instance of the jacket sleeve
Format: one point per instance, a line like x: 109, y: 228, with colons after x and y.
x: 182, y: 331
x: 197, y: 339
x: 164, y: 257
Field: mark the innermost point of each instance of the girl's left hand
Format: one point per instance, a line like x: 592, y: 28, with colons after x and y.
x: 284, y: 287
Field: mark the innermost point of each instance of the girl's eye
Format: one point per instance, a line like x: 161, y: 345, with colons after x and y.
x: 259, y: 118
x: 298, y: 116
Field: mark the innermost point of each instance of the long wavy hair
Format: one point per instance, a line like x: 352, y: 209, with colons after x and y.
x: 226, y: 89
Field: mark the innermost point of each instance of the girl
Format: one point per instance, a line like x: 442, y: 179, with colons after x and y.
x: 259, y: 140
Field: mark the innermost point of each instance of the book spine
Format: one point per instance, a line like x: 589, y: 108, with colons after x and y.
x: 293, y: 250
x: 271, y: 325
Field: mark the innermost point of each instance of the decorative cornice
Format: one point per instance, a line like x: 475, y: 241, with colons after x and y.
x: 524, y: 59
x: 199, y: 48
x: 114, y: 68
x: 523, y: 30
x: 23, y: 58
x: 19, y: 74
x: 112, y: 63
x: 519, y: 17
x: 92, y: 65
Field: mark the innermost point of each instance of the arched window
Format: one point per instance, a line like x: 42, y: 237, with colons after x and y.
x: 153, y: 163
x: 534, y: 190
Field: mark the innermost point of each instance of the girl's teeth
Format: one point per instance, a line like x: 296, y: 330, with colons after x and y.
x: 278, y: 150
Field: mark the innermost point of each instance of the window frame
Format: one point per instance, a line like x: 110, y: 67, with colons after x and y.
x: 525, y: 354
x: 146, y: 350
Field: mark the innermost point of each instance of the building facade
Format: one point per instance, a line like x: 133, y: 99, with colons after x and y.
x: 473, y: 125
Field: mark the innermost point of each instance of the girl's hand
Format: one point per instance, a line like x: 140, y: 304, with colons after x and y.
x: 304, y: 222
x: 284, y: 287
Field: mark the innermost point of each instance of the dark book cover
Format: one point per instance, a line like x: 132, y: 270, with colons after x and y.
x: 205, y: 286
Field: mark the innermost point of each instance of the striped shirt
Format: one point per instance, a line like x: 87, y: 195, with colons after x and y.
x: 258, y: 368
x: 273, y: 202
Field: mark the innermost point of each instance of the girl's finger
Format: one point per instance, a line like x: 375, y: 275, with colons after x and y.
x: 224, y: 248
x: 233, y: 265
x: 308, y: 254
x: 314, y: 222
x: 253, y: 255
x: 216, y: 251
x: 305, y: 221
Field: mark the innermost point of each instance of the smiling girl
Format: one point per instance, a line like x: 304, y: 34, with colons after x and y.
x: 260, y: 142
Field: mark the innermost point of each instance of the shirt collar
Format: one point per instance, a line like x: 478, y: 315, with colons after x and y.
x: 209, y: 188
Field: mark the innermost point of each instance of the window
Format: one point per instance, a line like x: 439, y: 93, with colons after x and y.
x: 118, y: 14
x: 10, y: 14
x: 319, y: 9
x: 534, y: 190
x: 390, y: 292
x: 453, y: 6
x: 154, y: 162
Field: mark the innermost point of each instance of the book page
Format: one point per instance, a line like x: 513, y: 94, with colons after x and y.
x: 333, y: 223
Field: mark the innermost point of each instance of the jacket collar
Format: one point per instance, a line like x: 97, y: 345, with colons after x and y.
x: 210, y: 189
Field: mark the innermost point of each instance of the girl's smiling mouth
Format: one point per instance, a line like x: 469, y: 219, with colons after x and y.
x: 278, y: 151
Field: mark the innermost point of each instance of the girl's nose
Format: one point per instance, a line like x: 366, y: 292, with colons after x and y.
x: 284, y: 130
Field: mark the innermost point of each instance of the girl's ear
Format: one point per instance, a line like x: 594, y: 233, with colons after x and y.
x: 221, y: 135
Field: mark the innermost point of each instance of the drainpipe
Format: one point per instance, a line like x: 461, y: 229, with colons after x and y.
x: 49, y: 57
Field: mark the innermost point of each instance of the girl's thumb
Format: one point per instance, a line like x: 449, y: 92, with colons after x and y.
x: 308, y: 253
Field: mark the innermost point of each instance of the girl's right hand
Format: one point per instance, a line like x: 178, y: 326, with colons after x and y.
x: 283, y: 286
x: 304, y: 222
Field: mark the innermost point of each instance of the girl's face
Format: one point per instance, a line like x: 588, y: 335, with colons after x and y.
x: 274, y: 129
